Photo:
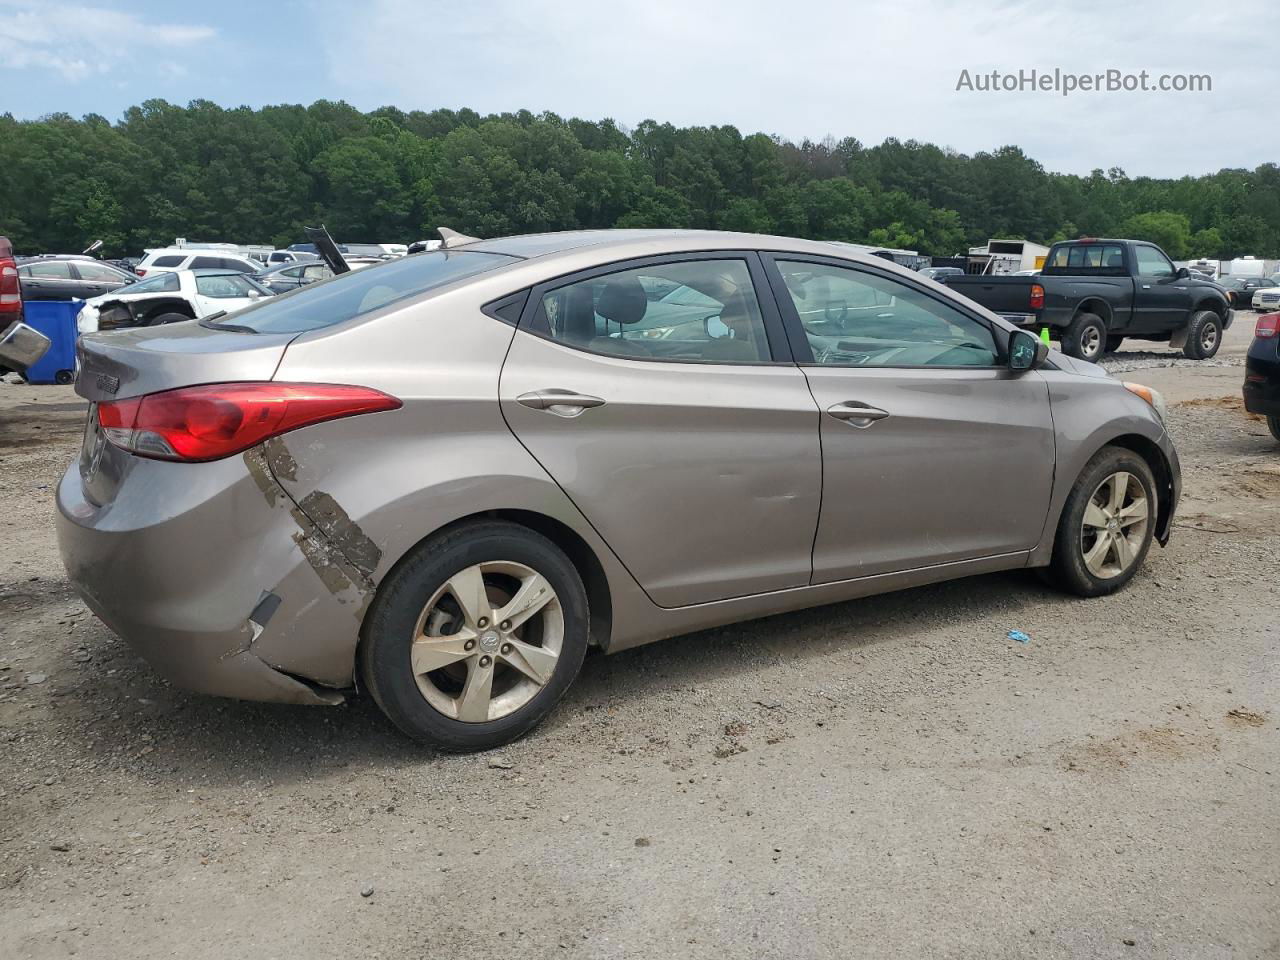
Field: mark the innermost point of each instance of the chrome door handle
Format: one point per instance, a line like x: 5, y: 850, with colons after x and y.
x: 562, y: 403
x: 856, y: 413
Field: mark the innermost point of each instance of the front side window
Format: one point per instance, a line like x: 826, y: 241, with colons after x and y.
x: 1152, y: 263
x: 858, y: 318
x: 98, y: 272
x: 354, y: 294
x: 207, y: 263
x: 49, y: 270
x: 240, y: 266
x: 169, y: 260
x: 225, y: 287
x: 703, y: 310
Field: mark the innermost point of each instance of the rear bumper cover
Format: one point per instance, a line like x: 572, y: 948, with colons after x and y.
x: 177, y: 564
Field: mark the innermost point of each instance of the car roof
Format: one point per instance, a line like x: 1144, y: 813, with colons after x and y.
x: 616, y: 244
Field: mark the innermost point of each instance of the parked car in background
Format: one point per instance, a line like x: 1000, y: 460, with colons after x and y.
x: 454, y: 472
x: 1266, y: 298
x: 1262, y: 372
x: 1095, y: 293
x: 290, y: 276
x: 1240, y: 290
x: 170, y: 296
x: 941, y: 273
x: 181, y: 258
x: 69, y: 277
x: 395, y: 249
x: 276, y: 257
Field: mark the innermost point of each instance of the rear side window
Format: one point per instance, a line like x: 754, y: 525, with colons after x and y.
x: 1086, y: 258
x: 354, y: 294
x: 703, y: 310
x: 49, y: 270
x: 169, y: 260
x: 238, y: 265
x: 208, y: 263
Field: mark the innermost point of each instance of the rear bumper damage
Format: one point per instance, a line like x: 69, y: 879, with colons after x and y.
x: 229, y: 589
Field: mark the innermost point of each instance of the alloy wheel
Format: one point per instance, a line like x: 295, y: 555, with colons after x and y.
x: 1208, y: 338
x: 488, y: 641
x: 1090, y: 342
x: 1115, y: 523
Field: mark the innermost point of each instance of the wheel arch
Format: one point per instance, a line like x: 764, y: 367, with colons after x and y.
x: 579, y: 552
x: 1161, y: 469
x: 1099, y: 308
x: 154, y: 308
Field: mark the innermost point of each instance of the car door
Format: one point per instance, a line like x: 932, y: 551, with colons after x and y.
x: 96, y: 279
x: 47, y: 280
x: 682, y: 431
x: 933, y: 451
x: 1162, y: 299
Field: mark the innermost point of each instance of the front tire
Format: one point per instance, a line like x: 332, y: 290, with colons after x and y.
x: 473, y: 639
x: 1273, y: 424
x: 1085, y: 338
x: 1107, y: 524
x: 160, y: 319
x: 1204, y: 336
x: 1113, y: 343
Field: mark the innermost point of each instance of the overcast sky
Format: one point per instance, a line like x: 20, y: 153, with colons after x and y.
x: 796, y: 68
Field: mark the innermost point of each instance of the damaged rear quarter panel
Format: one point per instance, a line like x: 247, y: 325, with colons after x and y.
x: 378, y: 484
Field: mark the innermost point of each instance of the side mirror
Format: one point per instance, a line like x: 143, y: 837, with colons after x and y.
x: 1026, y: 351
x: 1183, y: 273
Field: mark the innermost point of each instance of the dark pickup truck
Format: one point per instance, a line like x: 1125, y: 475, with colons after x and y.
x: 1094, y: 293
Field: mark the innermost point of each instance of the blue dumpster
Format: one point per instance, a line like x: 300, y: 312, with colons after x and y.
x: 56, y: 319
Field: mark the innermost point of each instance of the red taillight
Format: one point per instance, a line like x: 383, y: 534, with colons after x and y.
x: 1037, y: 297
x: 219, y: 419
x: 1268, y: 326
x: 140, y: 271
x: 10, y: 291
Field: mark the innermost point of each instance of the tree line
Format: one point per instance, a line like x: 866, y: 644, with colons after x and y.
x: 258, y: 176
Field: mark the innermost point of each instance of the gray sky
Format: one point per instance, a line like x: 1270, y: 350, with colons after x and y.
x: 797, y: 68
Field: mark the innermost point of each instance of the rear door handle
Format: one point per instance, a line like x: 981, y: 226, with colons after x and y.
x: 562, y: 403
x: 856, y: 413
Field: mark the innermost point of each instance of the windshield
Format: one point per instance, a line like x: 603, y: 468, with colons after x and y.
x: 227, y: 286
x: 354, y: 294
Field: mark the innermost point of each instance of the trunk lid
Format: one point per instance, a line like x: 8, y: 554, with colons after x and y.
x: 141, y: 360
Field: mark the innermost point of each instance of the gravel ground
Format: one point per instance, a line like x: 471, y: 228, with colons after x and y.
x: 888, y: 777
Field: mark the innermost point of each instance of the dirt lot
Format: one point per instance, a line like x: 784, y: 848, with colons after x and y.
x: 891, y: 777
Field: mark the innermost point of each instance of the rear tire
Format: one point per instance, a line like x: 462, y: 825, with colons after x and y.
x: 1113, y: 344
x: 438, y: 664
x: 1088, y: 559
x: 1273, y: 424
x: 1204, y: 336
x: 1085, y: 337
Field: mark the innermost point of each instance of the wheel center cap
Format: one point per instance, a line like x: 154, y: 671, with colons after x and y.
x: 489, y: 641
x: 1112, y: 525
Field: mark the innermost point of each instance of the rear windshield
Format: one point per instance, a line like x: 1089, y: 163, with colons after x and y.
x: 1105, y: 258
x: 354, y: 294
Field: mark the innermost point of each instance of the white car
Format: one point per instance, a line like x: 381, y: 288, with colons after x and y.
x: 1267, y: 299
x: 183, y: 258
x: 168, y: 297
